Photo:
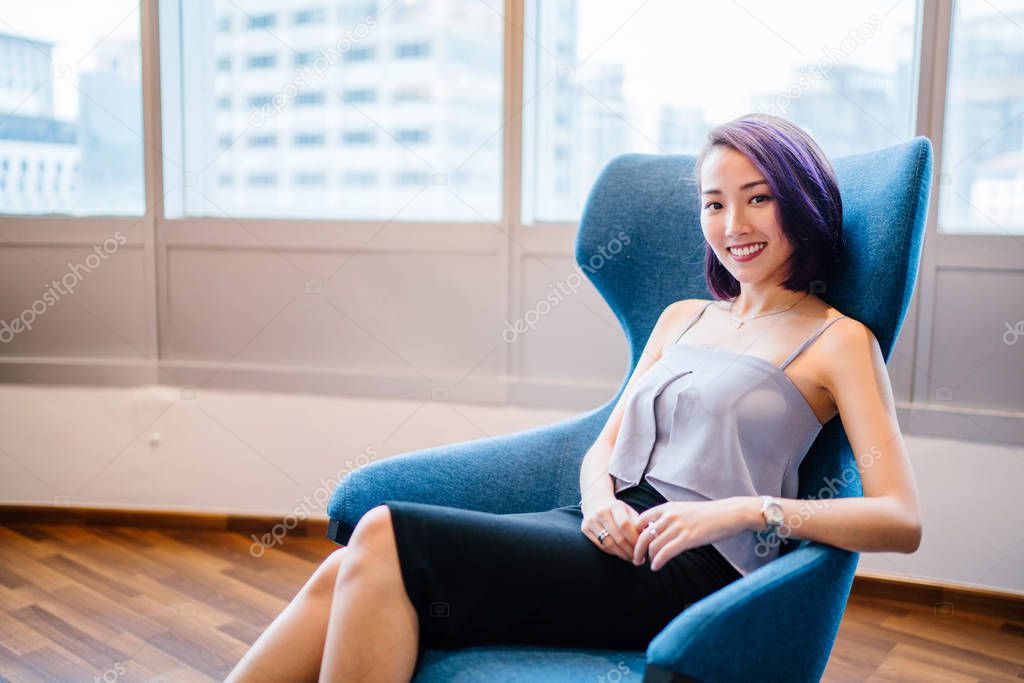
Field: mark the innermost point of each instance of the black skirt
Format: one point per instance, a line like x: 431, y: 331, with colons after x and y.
x: 535, y: 578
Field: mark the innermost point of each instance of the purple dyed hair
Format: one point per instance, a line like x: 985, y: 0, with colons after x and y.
x: 807, y: 194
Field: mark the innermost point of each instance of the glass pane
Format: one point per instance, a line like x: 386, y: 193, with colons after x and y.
x: 361, y: 109
x: 981, y: 187
x: 605, y: 78
x: 70, y: 108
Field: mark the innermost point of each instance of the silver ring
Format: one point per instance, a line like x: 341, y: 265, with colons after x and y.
x: 651, y: 530
x: 601, y: 536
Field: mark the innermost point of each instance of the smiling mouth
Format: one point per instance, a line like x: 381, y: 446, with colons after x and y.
x: 747, y: 249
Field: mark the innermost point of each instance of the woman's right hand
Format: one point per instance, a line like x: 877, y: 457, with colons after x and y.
x: 621, y: 521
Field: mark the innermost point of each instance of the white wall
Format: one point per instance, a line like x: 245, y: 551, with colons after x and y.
x: 276, y: 453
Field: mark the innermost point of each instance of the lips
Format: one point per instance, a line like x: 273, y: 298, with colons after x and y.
x: 747, y: 250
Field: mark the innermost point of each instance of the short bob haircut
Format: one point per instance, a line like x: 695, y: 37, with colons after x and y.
x: 807, y: 199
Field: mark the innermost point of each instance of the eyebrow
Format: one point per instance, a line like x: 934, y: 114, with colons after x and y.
x: 742, y: 187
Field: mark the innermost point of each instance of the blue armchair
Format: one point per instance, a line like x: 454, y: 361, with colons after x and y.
x: 801, y: 596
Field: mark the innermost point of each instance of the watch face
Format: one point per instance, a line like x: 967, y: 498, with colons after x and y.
x: 773, y: 513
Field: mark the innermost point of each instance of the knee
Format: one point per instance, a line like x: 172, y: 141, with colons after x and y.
x: 372, y: 546
x: 372, y: 527
x: 323, y: 579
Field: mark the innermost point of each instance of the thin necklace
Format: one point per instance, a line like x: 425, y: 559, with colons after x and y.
x: 739, y: 322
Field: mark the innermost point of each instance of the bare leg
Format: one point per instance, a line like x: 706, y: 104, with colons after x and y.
x: 373, y: 633
x: 290, y: 649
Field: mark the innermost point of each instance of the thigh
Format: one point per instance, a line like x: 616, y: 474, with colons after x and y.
x: 477, y: 577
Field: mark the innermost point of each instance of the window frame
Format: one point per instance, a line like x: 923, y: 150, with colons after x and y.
x: 507, y: 240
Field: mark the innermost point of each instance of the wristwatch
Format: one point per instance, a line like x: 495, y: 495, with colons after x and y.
x: 772, y: 512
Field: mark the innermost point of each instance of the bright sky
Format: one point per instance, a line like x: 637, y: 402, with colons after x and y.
x: 711, y: 55
x: 692, y: 54
x: 74, y: 28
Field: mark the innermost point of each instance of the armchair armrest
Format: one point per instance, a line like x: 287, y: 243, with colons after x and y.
x: 528, y: 471
x: 781, y: 619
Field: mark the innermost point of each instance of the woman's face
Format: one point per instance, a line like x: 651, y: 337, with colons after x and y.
x: 739, y: 210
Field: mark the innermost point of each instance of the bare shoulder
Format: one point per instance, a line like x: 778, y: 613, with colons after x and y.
x: 852, y: 351
x: 677, y: 313
x: 683, y: 309
x: 671, y: 322
x: 847, y: 333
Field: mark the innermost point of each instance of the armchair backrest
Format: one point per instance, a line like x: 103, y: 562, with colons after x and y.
x: 641, y: 245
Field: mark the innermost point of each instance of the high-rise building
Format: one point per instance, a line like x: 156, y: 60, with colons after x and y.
x: 343, y: 110
x: 39, y: 157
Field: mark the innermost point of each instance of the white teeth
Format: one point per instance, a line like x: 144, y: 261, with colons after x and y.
x: 746, y: 251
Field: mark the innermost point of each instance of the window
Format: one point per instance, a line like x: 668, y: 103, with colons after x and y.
x: 262, y: 21
x: 604, y: 79
x: 357, y: 137
x: 309, y: 140
x: 309, y: 16
x: 262, y: 180
x: 224, y: 64
x: 981, y: 186
x: 309, y: 99
x: 412, y: 178
x: 413, y: 136
x: 359, y: 178
x: 305, y: 85
x: 262, y: 61
x: 411, y: 94
x: 362, y: 95
x: 310, y: 179
x: 71, y: 98
x: 360, y: 54
x: 263, y: 141
x: 353, y: 12
x: 412, y: 50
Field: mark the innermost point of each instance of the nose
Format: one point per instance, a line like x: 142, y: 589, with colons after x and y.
x: 736, y: 222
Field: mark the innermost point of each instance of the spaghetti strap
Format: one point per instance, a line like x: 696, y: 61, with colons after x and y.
x: 692, y: 321
x: 808, y: 342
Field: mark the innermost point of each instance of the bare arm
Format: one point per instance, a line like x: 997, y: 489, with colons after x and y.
x: 595, y: 482
x: 887, y: 518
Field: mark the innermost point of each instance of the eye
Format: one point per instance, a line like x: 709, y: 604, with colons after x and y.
x: 760, y: 196
x: 708, y: 205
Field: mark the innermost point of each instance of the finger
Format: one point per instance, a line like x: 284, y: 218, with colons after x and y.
x: 667, y: 552
x: 615, y: 534
x: 606, y: 545
x: 658, y: 541
x: 593, y: 536
x: 640, y: 551
x: 626, y: 524
x: 650, y: 514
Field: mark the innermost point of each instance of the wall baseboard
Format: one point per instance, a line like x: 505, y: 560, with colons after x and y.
x: 945, y: 598
x: 158, y: 519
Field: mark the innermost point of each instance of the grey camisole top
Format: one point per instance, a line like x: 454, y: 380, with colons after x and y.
x: 705, y: 423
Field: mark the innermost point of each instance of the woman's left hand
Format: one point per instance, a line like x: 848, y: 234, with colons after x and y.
x: 681, y: 525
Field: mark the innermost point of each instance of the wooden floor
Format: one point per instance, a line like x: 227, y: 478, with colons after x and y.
x: 129, y: 604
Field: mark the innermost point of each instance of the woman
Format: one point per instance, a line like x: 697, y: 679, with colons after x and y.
x: 689, y: 484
